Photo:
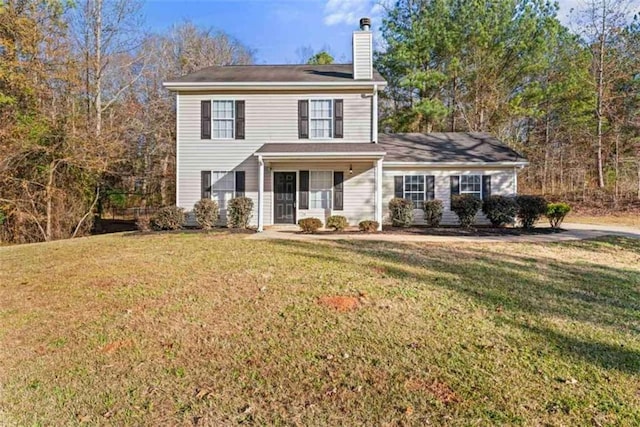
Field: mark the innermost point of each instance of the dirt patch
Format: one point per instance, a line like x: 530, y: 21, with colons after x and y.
x: 437, y: 389
x: 340, y: 303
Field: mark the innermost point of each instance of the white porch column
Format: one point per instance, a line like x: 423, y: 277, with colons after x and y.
x: 260, y: 194
x: 374, y: 120
x: 378, y: 171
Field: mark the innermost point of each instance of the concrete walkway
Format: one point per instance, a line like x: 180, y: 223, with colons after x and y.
x: 573, y: 232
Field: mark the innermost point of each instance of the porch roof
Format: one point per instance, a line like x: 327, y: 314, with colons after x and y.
x: 320, y: 150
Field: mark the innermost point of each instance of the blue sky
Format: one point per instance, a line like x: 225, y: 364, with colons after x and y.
x: 276, y: 29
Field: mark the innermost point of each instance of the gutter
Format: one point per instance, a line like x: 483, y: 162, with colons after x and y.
x: 298, y: 155
x: 520, y: 164
x: 258, y: 85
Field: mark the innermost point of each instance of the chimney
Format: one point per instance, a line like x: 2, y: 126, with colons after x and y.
x: 363, y: 51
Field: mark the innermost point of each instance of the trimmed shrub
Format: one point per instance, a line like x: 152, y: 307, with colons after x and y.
x: 239, y: 212
x: 368, y: 226
x: 207, y: 213
x: 530, y: 209
x: 168, y: 218
x: 143, y: 222
x: 433, y: 212
x: 556, y: 213
x: 401, y: 211
x: 337, y: 222
x: 310, y: 225
x: 466, y: 207
x: 500, y: 210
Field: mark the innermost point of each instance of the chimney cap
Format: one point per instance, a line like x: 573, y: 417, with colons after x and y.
x: 365, y: 24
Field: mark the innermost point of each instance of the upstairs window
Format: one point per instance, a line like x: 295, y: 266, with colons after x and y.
x: 321, y: 118
x: 223, y: 119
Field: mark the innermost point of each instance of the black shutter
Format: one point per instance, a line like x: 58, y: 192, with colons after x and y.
x: 239, y: 183
x: 455, y: 186
x: 205, y: 184
x: 398, y: 186
x: 239, y: 119
x: 304, y: 190
x: 205, y: 119
x: 338, y: 118
x: 486, y: 186
x: 338, y: 191
x: 303, y: 119
x: 430, y: 182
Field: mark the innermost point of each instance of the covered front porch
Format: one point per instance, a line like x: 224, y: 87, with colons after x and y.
x: 302, y: 180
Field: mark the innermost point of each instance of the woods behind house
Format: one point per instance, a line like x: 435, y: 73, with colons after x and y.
x: 85, y: 122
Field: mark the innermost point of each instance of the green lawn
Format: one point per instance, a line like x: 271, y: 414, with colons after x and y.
x: 184, y: 329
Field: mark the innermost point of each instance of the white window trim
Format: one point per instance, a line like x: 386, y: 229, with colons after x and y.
x: 332, y: 118
x: 331, y: 172
x: 233, y: 173
x: 233, y: 120
x: 424, y: 192
x: 471, y: 192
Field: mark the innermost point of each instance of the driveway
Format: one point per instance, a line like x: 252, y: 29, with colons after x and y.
x: 573, y: 232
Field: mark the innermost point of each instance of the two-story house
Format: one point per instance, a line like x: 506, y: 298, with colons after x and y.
x: 302, y: 141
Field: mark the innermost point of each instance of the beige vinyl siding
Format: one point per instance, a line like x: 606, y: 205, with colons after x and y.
x: 502, y: 183
x: 273, y: 117
x: 269, y: 117
x: 359, y: 189
x: 362, y: 55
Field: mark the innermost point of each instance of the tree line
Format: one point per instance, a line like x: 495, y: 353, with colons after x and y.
x: 83, y: 112
x: 84, y: 118
x: 566, y: 97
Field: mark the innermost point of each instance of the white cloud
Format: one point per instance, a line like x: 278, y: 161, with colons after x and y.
x: 349, y: 12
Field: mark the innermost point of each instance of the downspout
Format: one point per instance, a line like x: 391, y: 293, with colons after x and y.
x: 374, y: 116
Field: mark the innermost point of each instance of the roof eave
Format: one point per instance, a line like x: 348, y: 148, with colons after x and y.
x: 194, y: 86
x: 519, y: 163
x: 326, y: 155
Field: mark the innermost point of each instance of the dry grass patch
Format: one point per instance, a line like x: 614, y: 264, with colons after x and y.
x: 198, y: 329
x: 340, y: 303
x: 630, y: 219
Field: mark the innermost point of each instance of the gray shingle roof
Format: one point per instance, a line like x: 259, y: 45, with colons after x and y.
x: 320, y: 147
x: 446, y: 147
x: 333, y: 73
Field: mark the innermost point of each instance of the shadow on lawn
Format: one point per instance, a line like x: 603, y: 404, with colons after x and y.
x: 540, y: 286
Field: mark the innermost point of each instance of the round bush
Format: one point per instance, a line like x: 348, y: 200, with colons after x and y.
x: 530, y: 209
x: 433, y: 212
x: 500, y: 210
x: 337, y: 222
x: 168, y: 218
x: 310, y: 225
x: 207, y: 213
x: 368, y: 226
x: 239, y: 212
x: 465, y: 207
x: 556, y: 213
x: 401, y: 211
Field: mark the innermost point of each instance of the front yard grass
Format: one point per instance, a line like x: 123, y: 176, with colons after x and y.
x: 631, y: 219
x: 210, y: 329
